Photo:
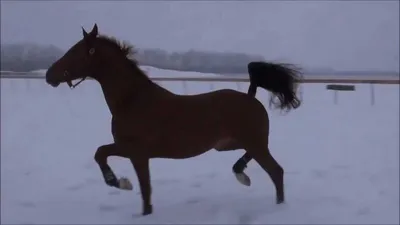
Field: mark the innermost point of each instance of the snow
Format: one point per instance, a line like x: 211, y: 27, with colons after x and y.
x: 341, y: 162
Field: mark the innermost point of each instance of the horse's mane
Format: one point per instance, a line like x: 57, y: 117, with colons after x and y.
x: 127, y: 50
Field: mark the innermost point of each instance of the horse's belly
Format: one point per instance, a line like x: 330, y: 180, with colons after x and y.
x: 180, y: 154
x: 184, y: 146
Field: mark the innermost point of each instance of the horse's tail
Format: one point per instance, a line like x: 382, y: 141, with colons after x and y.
x: 279, y: 79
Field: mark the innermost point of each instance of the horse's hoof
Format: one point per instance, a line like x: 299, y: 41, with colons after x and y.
x: 147, y: 210
x: 124, y: 184
x: 146, y: 213
x: 243, y: 179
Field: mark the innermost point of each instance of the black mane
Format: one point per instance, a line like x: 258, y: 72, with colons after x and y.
x: 126, y: 49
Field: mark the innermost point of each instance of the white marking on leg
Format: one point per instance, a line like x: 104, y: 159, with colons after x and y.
x: 243, y: 178
x: 125, y: 184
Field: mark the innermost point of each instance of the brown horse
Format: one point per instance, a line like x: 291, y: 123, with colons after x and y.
x: 149, y: 121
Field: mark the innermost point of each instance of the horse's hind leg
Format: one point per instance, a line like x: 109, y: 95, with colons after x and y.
x: 229, y: 144
x: 274, y: 170
x: 238, y: 169
x: 101, y: 155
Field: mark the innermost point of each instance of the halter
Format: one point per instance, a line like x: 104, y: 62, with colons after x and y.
x: 69, y: 81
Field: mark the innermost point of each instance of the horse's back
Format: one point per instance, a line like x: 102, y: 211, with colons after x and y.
x: 232, y: 111
x: 229, y: 99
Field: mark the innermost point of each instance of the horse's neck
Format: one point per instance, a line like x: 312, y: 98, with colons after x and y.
x: 122, y: 89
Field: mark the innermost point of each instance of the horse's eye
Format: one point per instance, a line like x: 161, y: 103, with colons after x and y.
x: 91, y: 51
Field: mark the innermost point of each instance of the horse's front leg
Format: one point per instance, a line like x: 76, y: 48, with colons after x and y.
x: 141, y: 165
x: 101, y: 155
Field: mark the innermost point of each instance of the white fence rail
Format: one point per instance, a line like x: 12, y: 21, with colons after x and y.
x: 206, y: 78
x: 321, y: 79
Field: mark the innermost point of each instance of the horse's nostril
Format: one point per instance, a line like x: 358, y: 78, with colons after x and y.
x: 66, y: 73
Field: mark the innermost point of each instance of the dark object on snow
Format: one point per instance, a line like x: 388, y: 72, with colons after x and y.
x: 340, y: 87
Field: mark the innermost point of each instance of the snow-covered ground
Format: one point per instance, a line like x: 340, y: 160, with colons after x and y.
x: 341, y: 162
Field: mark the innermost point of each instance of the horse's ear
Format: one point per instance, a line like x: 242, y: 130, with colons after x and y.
x: 94, y: 31
x: 85, y: 34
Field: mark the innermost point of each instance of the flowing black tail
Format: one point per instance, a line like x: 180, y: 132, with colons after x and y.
x: 279, y: 79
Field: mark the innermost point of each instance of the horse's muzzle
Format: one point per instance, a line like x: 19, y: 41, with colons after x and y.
x: 53, y: 83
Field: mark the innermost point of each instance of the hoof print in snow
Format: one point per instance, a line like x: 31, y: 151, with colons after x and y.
x: 293, y: 172
x: 92, y: 181
x: 88, y: 166
x: 166, y: 181
x: 211, y: 175
x: 374, y: 179
x: 196, y: 185
x: 114, y: 192
x: 363, y: 211
x: 75, y: 187
x: 107, y: 208
x: 139, y: 215
x: 340, y: 167
x: 319, y: 173
x: 27, y: 173
x: 192, y: 201
x: 28, y: 204
x: 244, y: 219
x: 206, y: 176
x: 382, y: 193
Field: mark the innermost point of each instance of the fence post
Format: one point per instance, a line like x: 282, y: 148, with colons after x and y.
x: 335, y: 97
x: 339, y: 87
x: 184, y: 87
x: 372, y: 90
x: 301, y: 92
x: 211, y: 86
x: 238, y: 86
x: 27, y: 84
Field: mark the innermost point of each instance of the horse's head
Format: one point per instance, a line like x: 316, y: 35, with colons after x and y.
x: 77, y: 63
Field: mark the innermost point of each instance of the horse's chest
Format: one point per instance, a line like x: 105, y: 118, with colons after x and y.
x: 129, y: 129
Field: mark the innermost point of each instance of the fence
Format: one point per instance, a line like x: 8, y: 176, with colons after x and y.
x: 346, y: 81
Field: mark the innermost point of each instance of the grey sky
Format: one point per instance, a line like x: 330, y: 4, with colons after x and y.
x: 352, y: 35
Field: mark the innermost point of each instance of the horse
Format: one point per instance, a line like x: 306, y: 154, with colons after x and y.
x: 149, y: 121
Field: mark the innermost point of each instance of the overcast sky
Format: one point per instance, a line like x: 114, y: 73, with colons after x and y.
x: 344, y: 35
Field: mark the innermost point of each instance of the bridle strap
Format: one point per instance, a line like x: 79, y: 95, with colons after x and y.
x: 72, y: 86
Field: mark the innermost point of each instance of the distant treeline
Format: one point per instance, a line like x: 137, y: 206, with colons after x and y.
x: 28, y: 57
